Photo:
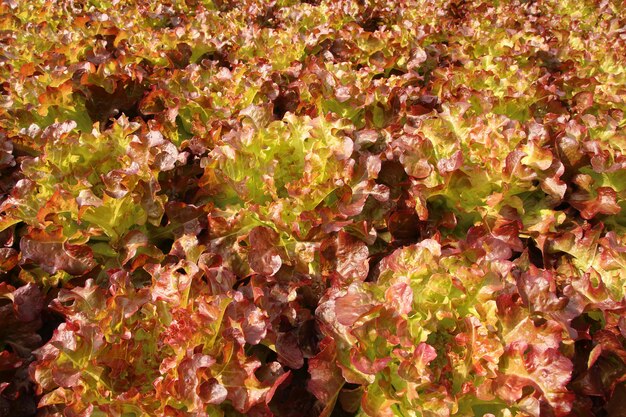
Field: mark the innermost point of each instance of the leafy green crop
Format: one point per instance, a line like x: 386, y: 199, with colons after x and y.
x: 312, y: 208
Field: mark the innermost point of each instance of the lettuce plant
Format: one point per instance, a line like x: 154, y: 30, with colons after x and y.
x: 312, y: 208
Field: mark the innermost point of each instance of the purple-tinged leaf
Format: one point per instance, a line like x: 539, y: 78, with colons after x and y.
x: 263, y: 255
x: 52, y: 253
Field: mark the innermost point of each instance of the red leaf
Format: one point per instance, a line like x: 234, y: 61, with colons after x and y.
x: 212, y: 392
x: 326, y: 379
x: 583, y: 100
x: 188, y: 374
x: 220, y: 278
x: 52, y: 253
x: 254, y: 325
x: 604, y: 203
x: 28, y: 301
x: 288, y: 351
x: 546, y: 370
x: 264, y: 256
x: 352, y: 257
x: 447, y: 165
x: 352, y: 305
x: 415, y: 368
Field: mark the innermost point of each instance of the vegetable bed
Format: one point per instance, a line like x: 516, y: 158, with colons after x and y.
x: 312, y: 208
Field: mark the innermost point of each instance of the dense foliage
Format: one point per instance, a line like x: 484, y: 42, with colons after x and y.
x: 312, y: 208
